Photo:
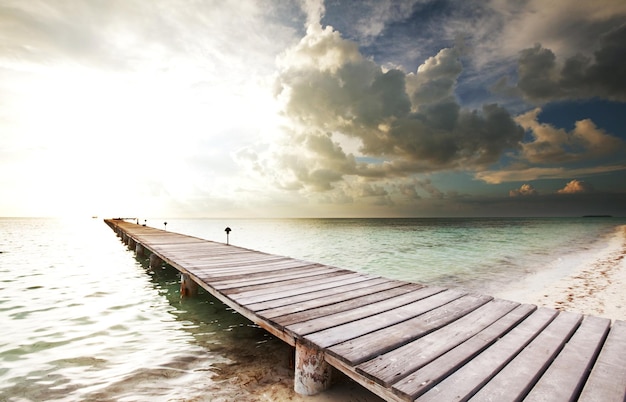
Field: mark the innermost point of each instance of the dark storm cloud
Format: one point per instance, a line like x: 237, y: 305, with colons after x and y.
x: 541, y: 78
x: 412, y: 121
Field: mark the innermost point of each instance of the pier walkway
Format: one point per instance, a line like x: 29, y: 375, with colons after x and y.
x: 403, y: 341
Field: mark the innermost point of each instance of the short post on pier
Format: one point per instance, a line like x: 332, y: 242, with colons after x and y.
x: 313, y: 373
x: 188, y: 287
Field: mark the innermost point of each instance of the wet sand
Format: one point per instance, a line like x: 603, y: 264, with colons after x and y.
x: 596, y: 289
x: 269, y: 377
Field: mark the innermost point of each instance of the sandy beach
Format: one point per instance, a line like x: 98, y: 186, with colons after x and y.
x: 591, y: 289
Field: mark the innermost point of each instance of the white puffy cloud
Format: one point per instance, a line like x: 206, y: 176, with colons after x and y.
x: 524, y: 190
x: 576, y: 187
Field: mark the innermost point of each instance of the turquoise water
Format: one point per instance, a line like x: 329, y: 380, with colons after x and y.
x: 478, y: 253
x: 83, y: 319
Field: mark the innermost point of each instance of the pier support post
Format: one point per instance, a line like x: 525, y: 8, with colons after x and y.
x: 312, y: 371
x: 131, y: 243
x: 139, y: 250
x: 155, y: 261
x: 188, y: 287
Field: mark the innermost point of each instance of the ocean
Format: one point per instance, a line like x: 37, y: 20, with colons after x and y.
x: 83, y: 319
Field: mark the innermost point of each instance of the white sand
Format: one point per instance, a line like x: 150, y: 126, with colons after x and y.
x: 594, y: 288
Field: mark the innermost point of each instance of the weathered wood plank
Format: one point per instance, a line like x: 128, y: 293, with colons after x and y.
x: 336, y: 282
x: 224, y: 282
x: 515, y: 380
x: 224, y: 270
x: 282, y: 305
x: 464, y: 382
x: 299, y: 281
x: 607, y: 381
x: 345, y: 305
x: 416, y: 383
x: 320, y: 323
x: 566, y: 376
x: 398, y: 363
x: 225, y: 263
x: 354, y: 329
x: 216, y: 272
x: 368, y: 346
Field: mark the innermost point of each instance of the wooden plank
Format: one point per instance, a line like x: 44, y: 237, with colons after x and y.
x: 221, y: 274
x: 298, y: 281
x: 210, y: 252
x: 224, y: 270
x: 416, y: 383
x: 233, y: 263
x: 276, y: 275
x: 328, y: 321
x: 217, y: 273
x: 398, y: 363
x: 465, y: 381
x: 281, y: 293
x: 515, y: 380
x: 368, y: 346
x: 354, y: 329
x: 333, y: 294
x: 348, y: 304
x: 607, y: 381
x: 236, y: 260
x: 566, y: 376
x: 258, y: 278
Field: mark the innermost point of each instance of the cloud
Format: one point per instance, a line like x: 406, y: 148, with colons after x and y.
x: 576, y: 187
x: 542, y: 78
x: 553, y: 152
x: 411, y: 122
x: 524, y: 173
x: 551, y: 145
x: 525, y: 190
x: 371, y: 17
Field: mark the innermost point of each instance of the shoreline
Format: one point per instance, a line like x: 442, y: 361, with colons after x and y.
x: 596, y: 288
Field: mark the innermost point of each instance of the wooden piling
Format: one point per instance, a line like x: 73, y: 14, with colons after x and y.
x: 313, y: 373
x: 188, y: 287
x: 139, y: 250
x: 155, y: 261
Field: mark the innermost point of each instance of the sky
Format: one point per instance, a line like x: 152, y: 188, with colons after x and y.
x: 259, y: 109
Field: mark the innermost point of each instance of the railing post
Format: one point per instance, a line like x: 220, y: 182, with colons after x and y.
x: 313, y: 373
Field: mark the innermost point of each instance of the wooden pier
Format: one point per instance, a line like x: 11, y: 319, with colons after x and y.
x: 403, y: 341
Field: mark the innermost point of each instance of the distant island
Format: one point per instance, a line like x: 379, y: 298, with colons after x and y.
x: 597, y: 216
